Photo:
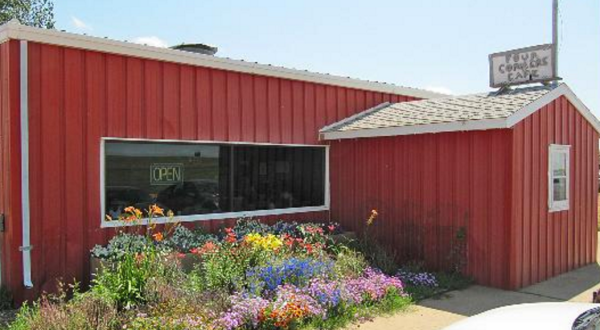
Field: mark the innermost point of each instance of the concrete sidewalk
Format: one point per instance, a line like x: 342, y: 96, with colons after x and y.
x: 437, y: 313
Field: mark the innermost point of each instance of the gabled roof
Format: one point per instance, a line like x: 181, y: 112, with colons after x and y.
x: 14, y: 30
x: 451, y: 114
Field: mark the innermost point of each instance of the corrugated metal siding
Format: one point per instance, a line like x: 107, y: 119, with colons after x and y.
x: 426, y: 187
x: 77, y: 97
x: 546, y: 244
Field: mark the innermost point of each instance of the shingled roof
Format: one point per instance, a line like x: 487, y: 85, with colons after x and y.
x: 458, y: 113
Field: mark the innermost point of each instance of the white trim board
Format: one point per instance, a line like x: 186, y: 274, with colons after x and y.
x: 14, y: 30
x: 469, y: 125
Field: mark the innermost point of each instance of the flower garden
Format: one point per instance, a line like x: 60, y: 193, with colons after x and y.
x: 249, y: 276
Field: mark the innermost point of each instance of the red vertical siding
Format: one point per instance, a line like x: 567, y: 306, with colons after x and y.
x: 545, y: 244
x: 77, y: 97
x: 10, y: 166
x: 425, y: 188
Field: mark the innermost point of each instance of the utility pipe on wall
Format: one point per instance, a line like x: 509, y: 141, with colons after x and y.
x: 24, y: 96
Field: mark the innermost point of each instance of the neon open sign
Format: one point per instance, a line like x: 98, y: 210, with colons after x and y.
x: 166, y: 174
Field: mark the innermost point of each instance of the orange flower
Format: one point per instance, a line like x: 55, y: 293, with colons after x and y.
x: 133, y: 211
x: 374, y: 215
x: 130, y: 218
x: 157, y: 210
x: 158, y: 237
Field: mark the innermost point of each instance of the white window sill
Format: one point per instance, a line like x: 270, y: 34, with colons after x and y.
x: 216, y: 216
x: 559, y: 207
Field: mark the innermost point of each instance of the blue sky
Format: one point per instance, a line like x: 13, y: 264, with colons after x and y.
x: 439, y: 45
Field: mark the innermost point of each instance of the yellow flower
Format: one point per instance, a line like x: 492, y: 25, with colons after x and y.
x: 109, y: 218
x: 268, y: 242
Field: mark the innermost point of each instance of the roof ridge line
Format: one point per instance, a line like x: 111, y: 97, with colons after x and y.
x: 14, y: 30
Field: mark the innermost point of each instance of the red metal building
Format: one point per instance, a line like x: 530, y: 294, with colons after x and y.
x: 515, y: 173
x: 88, y: 125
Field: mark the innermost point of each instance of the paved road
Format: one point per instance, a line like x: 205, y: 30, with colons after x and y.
x: 435, y: 314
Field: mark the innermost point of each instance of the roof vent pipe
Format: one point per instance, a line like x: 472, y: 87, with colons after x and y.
x: 197, y: 48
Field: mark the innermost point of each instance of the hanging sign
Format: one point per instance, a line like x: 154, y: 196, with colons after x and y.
x: 166, y: 174
x: 522, y: 66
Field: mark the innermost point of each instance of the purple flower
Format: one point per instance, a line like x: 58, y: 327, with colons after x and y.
x: 288, y: 293
x: 418, y: 279
x: 245, y: 309
x: 373, y: 285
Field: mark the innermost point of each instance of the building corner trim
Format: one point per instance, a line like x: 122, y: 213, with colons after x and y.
x: 25, y: 210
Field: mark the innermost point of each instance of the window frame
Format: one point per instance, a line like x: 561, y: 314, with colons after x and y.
x: 210, y: 216
x: 563, y: 205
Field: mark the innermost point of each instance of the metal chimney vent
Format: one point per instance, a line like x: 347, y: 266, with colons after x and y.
x: 197, y: 48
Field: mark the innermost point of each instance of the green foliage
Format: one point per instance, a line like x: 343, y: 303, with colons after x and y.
x: 458, y: 252
x: 226, y: 268
x: 6, y: 299
x: 125, y: 281
x: 345, y: 315
x: 245, y: 226
x: 121, y: 245
x: 349, y: 263
x: 85, y: 311
x: 446, y: 282
x: 145, y: 286
x: 37, y: 13
x: 376, y: 255
x: 184, y: 239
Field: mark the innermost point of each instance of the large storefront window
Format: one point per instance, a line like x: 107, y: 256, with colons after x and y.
x: 194, y: 179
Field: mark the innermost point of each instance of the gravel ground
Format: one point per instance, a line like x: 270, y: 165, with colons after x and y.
x: 6, y: 316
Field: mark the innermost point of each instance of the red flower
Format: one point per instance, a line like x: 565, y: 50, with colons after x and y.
x: 331, y: 227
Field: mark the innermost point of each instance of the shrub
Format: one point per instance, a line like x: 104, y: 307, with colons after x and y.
x: 184, y: 239
x: 225, y: 266
x: 120, y: 245
x: 87, y: 311
x: 349, y: 263
x: 245, y: 226
x: 125, y: 281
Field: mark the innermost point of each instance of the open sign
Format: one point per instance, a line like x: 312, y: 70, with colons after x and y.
x: 166, y: 174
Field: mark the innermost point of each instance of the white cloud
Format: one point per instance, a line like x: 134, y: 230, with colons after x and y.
x: 151, y: 41
x: 439, y: 89
x: 79, y: 24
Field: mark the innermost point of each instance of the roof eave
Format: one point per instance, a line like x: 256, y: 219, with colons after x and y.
x: 470, y: 125
x: 14, y: 30
x: 562, y: 90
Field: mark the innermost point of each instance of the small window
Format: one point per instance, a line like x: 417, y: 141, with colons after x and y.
x: 558, y: 178
x: 206, y: 181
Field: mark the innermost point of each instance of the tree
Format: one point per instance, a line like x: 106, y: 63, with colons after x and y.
x: 37, y: 13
